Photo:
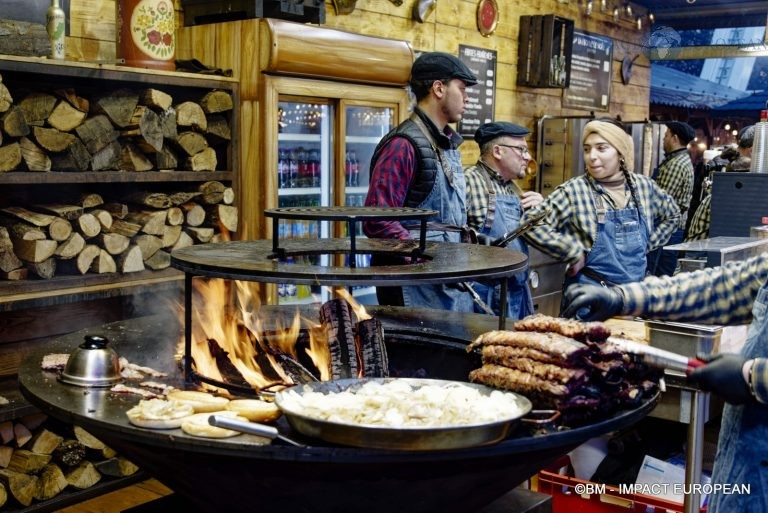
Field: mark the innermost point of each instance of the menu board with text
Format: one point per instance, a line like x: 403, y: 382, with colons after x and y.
x: 590, y: 86
x: 480, y: 107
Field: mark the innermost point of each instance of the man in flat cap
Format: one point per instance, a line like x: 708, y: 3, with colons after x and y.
x: 418, y: 164
x: 674, y: 175
x: 745, y: 138
x: 495, y: 205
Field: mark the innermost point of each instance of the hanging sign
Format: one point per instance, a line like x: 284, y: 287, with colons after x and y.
x: 480, y: 107
x: 590, y: 86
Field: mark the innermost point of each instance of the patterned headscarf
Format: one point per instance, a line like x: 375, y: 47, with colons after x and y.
x: 616, y: 137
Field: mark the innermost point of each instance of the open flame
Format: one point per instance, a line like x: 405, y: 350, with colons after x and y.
x: 233, y: 334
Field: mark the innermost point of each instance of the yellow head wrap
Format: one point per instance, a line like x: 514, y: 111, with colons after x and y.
x: 616, y: 137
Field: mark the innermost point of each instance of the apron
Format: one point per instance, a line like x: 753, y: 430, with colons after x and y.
x: 448, y: 197
x: 618, y: 254
x: 504, y: 214
x: 742, y: 450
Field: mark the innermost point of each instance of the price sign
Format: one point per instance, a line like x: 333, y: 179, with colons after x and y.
x: 590, y: 86
x: 482, y: 96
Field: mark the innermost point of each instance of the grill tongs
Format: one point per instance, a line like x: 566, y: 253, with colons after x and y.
x: 517, y: 232
x: 655, y: 357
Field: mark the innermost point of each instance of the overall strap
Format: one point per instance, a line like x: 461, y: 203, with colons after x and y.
x: 491, y: 200
x: 447, y: 169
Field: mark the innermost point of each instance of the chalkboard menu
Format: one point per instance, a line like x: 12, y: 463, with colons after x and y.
x: 590, y: 87
x: 479, y: 110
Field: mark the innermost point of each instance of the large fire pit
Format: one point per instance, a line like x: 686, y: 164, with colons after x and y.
x: 246, y: 474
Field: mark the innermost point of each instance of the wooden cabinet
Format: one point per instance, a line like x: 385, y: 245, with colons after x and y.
x: 25, y: 76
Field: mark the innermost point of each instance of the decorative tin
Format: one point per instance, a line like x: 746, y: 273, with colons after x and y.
x: 146, y: 33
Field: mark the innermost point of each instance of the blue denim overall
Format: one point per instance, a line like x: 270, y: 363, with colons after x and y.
x: 448, y: 197
x: 618, y: 254
x: 742, y: 450
x: 503, y: 215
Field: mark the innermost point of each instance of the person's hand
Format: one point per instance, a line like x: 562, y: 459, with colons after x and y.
x: 592, y: 302
x: 530, y: 199
x: 723, y: 375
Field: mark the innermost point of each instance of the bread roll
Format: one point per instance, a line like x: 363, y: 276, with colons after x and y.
x: 197, y: 425
x: 202, y: 402
x: 159, y: 414
x: 255, y: 410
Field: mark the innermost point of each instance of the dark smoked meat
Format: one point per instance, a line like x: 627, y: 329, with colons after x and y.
x: 582, y: 331
x: 515, y: 380
x: 564, y: 349
x: 501, y: 356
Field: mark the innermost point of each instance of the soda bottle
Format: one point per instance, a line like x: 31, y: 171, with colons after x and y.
x: 314, y: 167
x: 303, y: 172
x: 355, y: 170
x: 347, y: 170
x: 282, y: 169
x: 293, y: 166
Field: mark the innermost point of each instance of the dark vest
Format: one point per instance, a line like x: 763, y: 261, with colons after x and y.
x: 426, y: 159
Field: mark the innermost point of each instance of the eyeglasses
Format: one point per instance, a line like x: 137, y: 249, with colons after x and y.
x: 522, y: 149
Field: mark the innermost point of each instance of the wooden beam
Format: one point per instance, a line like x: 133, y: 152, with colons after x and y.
x: 705, y: 52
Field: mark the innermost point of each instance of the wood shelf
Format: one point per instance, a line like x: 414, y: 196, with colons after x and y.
x: 32, y: 178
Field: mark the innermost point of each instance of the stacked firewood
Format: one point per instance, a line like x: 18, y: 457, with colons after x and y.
x: 40, y: 459
x: 132, y: 233
x: 565, y: 365
x: 123, y: 129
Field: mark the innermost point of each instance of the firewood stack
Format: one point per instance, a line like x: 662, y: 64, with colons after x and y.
x: 132, y: 233
x: 40, y: 459
x: 565, y: 365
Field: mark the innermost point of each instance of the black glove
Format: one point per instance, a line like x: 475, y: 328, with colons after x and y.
x: 722, y: 375
x: 484, y: 240
x: 592, y: 302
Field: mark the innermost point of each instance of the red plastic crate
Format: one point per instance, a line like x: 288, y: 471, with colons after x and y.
x: 566, y: 500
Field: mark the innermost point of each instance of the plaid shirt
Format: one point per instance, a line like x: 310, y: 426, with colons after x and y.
x: 570, y: 227
x: 699, y: 228
x: 676, y: 177
x: 477, y: 192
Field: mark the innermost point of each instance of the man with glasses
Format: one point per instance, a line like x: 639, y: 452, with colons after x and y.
x: 495, y: 205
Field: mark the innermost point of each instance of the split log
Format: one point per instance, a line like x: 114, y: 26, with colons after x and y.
x: 118, y: 105
x: 168, y: 124
x: 90, y: 200
x: 213, y: 192
x: 34, y: 420
x: 108, y: 452
x: 45, y: 269
x: 28, y: 462
x: 229, y: 196
x: 109, y: 157
x: 105, y: 218
x: 45, y: 442
x: 371, y: 350
x: 175, y: 216
x: 52, y: 139
x: 6, y: 431
x: 71, y: 97
x: 8, y: 259
x: 6, y: 100
x: 21, y: 486
x: 191, y: 115
x: 124, y: 228
x: 34, y: 250
x: 75, y: 158
x: 60, y: 230
x: 23, y: 38
x: 166, y: 158
x: 34, y: 158
x: 37, y: 107
x: 35, y: 218
x: 23, y: 231
x: 88, y: 440
x: 205, y: 160
x: 114, y: 243
x: 224, y: 215
x: 145, y: 123
x: 171, y: 235
x: 69, y: 212
x: 151, y: 199
x: 218, y: 130
x: 156, y: 99
x: 71, y: 247
x: 88, y: 225
x: 116, y: 467
x: 6, y: 451
x: 148, y: 244
x: 339, y: 320
x: 191, y: 143
x: 10, y: 157
x: 179, y: 198
x: 104, y: 263
x: 66, y: 117
x: 151, y: 221
x: 130, y: 260
x: 96, y: 132
x: 200, y: 234
x: 82, y: 263
x: 184, y: 241
x: 51, y: 483
x: 118, y: 210
x: 160, y: 260
x: 133, y: 159
x: 216, y: 101
x: 69, y: 453
x: 83, y: 476
x: 15, y: 275
x: 14, y: 123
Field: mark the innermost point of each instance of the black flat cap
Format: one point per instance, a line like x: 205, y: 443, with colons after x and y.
x: 490, y: 131
x: 683, y: 131
x: 746, y: 136
x: 439, y: 65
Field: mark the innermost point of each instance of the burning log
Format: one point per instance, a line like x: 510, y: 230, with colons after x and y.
x: 370, y: 347
x: 228, y: 370
x: 339, y: 319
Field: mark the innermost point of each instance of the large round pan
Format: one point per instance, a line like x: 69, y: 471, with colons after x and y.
x: 406, y: 438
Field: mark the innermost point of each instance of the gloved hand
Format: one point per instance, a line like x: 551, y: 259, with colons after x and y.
x: 484, y: 240
x: 592, y: 302
x: 723, y: 376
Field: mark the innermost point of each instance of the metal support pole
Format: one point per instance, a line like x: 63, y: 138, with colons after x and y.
x: 694, y: 454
